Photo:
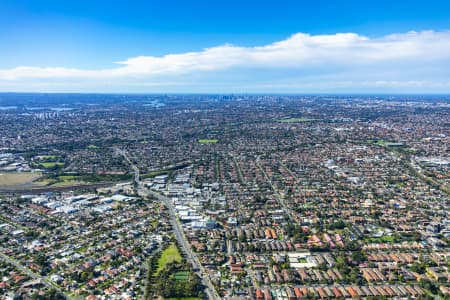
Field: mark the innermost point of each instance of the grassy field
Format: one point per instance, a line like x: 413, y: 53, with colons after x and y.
x: 62, y: 180
x: 380, y: 142
x: 68, y: 177
x: 208, y: 141
x: 43, y: 182
x: 92, y: 147
x: 66, y: 182
x: 296, y: 120
x: 17, y: 179
x: 48, y: 157
x: 169, y: 255
x: 48, y: 165
x: 181, y: 276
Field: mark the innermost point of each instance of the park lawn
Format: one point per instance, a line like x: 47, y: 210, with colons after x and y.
x: 170, y: 254
x: 207, y: 141
x: 93, y: 147
x: 379, y: 142
x: 382, y: 142
x: 181, y: 276
x: 48, y: 165
x: 296, y: 120
x: 48, y: 158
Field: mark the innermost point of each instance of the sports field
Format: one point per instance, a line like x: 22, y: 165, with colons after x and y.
x: 296, y: 120
x: 207, y: 141
x: 170, y: 254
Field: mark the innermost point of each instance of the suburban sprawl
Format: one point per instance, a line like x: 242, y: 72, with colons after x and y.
x: 224, y: 197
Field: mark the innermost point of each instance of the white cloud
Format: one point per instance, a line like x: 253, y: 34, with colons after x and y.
x: 405, y: 57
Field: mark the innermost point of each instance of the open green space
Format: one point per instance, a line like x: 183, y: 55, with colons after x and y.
x: 62, y: 180
x: 382, y: 142
x: 104, y: 177
x: 93, y: 147
x: 66, y: 182
x: 68, y: 177
x: 47, y: 158
x: 170, y: 254
x: 15, y: 179
x: 181, y: 276
x: 296, y: 120
x: 207, y: 141
x: 49, y: 165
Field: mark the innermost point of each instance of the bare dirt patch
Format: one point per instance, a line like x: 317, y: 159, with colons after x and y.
x: 22, y: 180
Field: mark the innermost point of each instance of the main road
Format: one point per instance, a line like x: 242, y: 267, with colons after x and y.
x: 191, y: 257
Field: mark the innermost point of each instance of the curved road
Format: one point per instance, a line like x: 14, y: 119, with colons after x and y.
x: 178, y: 230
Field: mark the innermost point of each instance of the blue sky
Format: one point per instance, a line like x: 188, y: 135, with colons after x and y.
x: 225, y: 46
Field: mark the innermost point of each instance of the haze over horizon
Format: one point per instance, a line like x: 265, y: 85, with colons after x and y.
x: 256, y: 47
